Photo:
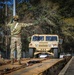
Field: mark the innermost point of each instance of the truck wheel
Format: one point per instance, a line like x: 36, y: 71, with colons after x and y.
x: 37, y: 56
x: 56, y: 53
x: 31, y: 52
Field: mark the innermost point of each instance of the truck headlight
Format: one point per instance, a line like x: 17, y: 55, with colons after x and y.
x: 49, y: 45
x: 54, y: 44
x: 36, y: 45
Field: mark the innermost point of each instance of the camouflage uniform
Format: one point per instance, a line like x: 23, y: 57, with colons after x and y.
x: 16, y: 28
x: 16, y: 43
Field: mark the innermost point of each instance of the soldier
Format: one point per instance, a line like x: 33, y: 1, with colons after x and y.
x: 16, y: 28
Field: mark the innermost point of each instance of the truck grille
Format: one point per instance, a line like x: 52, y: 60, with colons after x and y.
x: 43, y: 44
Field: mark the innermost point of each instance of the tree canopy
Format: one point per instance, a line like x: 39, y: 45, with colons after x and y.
x: 51, y: 17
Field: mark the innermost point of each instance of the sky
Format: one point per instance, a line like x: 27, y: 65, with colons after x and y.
x: 10, y: 2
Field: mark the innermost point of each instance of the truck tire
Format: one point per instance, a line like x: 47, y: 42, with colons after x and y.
x: 56, y: 53
x: 31, y: 52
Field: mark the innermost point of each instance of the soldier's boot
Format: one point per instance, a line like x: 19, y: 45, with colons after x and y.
x: 12, y: 61
x: 19, y: 62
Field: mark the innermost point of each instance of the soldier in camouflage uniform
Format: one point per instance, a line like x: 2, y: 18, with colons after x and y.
x: 16, y: 28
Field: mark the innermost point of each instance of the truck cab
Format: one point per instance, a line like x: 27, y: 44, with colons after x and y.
x: 44, y: 43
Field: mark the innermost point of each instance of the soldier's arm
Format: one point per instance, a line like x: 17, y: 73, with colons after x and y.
x: 26, y: 24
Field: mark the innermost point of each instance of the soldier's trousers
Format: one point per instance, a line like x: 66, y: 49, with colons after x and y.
x: 15, y: 44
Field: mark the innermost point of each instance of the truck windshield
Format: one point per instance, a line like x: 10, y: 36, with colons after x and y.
x: 38, y: 38
x: 51, y: 38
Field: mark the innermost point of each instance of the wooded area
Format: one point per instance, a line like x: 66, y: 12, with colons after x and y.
x: 51, y: 17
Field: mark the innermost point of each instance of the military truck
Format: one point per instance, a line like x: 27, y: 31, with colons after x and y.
x: 44, y: 43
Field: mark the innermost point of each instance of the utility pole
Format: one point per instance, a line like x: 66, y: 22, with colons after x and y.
x: 14, y: 15
x: 14, y: 8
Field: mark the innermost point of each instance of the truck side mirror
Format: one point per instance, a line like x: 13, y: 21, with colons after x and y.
x: 60, y: 41
x: 29, y: 39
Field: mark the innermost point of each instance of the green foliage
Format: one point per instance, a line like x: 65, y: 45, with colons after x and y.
x: 67, y: 8
x: 49, y: 16
x: 46, y: 14
x: 68, y: 33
